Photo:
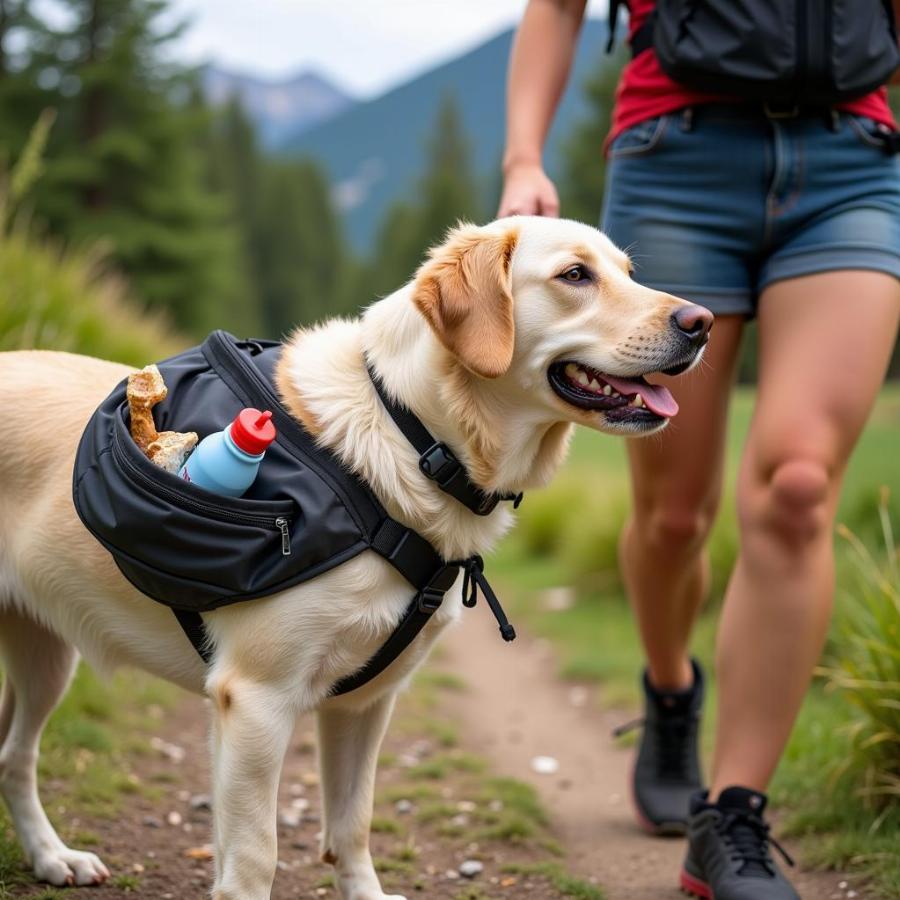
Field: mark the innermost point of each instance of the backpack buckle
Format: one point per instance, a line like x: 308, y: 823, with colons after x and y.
x: 439, y: 464
x: 774, y: 111
x: 431, y: 596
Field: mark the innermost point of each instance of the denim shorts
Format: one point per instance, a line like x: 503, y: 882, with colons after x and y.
x: 715, y: 203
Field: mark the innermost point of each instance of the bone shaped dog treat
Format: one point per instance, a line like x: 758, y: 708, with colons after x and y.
x: 168, y: 449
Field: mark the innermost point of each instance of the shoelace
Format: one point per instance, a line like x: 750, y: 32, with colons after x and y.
x: 473, y: 581
x: 748, y: 837
x: 672, y: 745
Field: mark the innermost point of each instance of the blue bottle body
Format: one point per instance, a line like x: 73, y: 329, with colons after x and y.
x: 219, y: 465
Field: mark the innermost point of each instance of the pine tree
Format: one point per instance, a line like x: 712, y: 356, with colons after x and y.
x: 446, y: 194
x: 290, y: 234
x: 584, y: 165
x: 125, y: 161
x: 21, y: 99
x: 449, y: 187
x: 302, y: 260
x: 11, y: 15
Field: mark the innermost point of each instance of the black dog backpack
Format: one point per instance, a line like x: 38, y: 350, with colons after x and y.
x: 195, y: 551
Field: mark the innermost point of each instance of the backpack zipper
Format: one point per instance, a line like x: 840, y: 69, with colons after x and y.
x: 280, y: 523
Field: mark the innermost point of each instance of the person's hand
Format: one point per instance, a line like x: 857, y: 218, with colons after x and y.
x: 527, y: 191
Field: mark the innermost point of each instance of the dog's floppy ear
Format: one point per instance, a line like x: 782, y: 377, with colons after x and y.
x: 465, y: 294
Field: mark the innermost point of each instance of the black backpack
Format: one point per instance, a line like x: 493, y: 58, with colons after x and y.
x: 787, y: 53
x: 195, y: 551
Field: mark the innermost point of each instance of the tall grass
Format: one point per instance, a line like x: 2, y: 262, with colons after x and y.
x: 864, y: 668
x: 58, y: 298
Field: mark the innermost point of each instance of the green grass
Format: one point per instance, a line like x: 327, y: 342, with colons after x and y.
x: 567, y: 537
x: 66, y: 298
x: 86, y: 751
x: 440, y: 766
x: 55, y: 299
x: 566, y: 884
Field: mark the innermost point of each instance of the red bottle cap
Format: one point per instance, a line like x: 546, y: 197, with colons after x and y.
x: 252, y: 431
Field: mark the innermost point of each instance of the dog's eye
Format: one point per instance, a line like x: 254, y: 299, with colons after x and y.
x: 575, y: 275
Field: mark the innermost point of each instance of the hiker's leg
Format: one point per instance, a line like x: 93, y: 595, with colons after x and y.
x: 825, y: 341
x: 676, y: 481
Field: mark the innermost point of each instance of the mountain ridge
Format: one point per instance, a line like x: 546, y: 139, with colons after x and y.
x: 278, y: 107
x: 374, y: 150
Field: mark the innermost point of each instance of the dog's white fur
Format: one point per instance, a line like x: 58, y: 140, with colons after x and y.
x: 467, y: 346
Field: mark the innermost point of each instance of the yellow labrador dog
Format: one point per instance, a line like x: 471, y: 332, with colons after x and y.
x: 508, y: 335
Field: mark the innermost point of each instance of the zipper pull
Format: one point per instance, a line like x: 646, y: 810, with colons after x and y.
x: 282, y: 524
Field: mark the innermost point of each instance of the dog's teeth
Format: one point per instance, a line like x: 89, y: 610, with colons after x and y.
x: 616, y: 394
x: 595, y: 385
x: 638, y: 401
x: 571, y: 370
x: 582, y: 378
x: 607, y: 390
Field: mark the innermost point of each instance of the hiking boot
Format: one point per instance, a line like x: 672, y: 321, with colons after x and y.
x: 667, y: 769
x: 728, y: 854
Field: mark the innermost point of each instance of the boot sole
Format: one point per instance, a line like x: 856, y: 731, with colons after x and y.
x: 657, y: 829
x: 695, y: 887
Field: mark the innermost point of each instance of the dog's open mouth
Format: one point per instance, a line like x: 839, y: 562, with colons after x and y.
x: 621, y: 399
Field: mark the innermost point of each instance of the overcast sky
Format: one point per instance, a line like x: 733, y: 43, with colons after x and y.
x: 364, y: 45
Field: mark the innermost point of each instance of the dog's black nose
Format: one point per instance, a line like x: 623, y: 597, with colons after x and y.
x: 694, y: 323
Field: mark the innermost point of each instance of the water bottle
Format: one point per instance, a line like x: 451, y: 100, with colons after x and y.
x: 227, y: 462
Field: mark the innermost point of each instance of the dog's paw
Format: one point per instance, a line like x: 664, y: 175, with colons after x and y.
x: 68, y: 868
x: 368, y: 894
x: 378, y: 896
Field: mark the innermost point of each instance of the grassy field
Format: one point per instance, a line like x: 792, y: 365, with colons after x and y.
x: 89, y: 752
x: 567, y: 537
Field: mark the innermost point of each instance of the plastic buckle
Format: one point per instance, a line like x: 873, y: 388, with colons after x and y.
x: 439, y: 464
x: 255, y: 347
x: 432, y: 595
x: 487, y: 505
x: 783, y: 112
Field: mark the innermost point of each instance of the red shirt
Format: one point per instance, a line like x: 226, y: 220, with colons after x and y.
x: 646, y: 91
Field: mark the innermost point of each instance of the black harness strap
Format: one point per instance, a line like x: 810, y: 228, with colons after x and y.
x: 643, y: 37
x: 613, y: 25
x: 436, y: 460
x: 406, y: 550
x: 420, y: 610
x: 192, y: 625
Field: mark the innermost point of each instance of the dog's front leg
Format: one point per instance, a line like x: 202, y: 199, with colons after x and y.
x: 252, y: 725
x: 349, y: 741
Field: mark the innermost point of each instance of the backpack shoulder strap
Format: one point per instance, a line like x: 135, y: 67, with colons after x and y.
x: 643, y: 37
x: 612, y: 24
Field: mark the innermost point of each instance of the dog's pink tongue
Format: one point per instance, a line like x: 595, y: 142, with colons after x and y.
x: 656, y: 398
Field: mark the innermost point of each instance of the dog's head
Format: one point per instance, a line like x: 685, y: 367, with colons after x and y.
x: 549, y: 306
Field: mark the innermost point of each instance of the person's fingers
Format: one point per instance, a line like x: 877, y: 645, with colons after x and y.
x: 549, y: 205
x: 520, y: 204
x: 529, y: 193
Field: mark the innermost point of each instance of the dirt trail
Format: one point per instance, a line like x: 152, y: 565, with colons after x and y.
x: 516, y: 709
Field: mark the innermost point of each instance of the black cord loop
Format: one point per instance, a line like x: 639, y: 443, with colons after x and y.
x: 473, y: 581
